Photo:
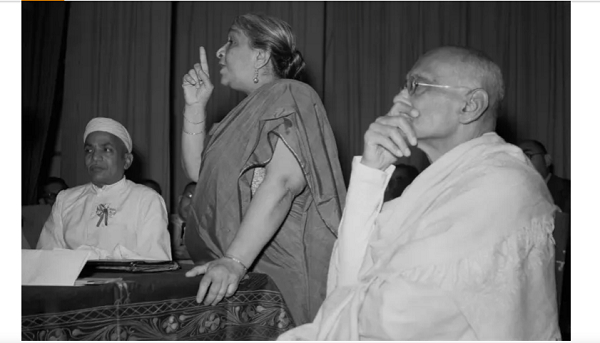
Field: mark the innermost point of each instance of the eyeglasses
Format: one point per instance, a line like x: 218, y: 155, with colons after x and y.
x: 531, y: 154
x: 412, y: 84
x: 49, y: 195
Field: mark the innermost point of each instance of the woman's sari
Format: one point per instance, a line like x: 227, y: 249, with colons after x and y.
x: 297, y: 257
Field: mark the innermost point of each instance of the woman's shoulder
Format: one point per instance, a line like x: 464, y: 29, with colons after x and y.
x: 295, y: 87
x: 293, y: 92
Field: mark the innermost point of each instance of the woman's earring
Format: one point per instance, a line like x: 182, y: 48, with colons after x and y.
x: 255, y: 76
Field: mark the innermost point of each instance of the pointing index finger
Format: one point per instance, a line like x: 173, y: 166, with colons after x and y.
x: 203, y: 61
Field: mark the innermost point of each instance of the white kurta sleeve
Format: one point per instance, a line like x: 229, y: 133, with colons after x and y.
x: 153, y: 240
x: 52, y: 235
x: 363, y: 204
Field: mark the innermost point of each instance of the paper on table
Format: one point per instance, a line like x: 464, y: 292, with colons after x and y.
x: 51, y: 267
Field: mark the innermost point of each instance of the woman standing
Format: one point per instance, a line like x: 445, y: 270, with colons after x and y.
x: 270, y: 188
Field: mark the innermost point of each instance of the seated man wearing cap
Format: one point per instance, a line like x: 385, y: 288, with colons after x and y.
x: 110, y: 216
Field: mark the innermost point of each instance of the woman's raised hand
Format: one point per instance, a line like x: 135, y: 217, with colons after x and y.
x: 197, y: 87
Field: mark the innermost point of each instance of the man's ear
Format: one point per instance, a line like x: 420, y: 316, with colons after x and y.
x: 477, y: 103
x: 262, y: 58
x: 548, y: 160
x: 128, y: 160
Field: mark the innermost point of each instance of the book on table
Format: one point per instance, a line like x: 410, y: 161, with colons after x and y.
x: 133, y: 266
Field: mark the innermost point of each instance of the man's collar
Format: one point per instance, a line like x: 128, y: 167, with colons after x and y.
x: 548, y: 177
x: 107, y: 188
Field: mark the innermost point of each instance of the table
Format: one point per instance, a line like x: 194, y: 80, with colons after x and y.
x: 153, y: 306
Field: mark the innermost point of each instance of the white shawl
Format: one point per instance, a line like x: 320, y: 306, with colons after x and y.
x: 469, y: 243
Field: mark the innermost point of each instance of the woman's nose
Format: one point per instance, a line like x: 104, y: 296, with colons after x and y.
x: 221, y: 52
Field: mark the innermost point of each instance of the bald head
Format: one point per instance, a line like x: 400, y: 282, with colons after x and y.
x: 473, y: 69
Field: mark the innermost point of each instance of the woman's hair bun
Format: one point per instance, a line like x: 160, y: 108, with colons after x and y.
x: 295, y: 65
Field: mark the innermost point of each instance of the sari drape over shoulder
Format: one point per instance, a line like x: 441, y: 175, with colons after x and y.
x: 466, y: 253
x: 297, y: 258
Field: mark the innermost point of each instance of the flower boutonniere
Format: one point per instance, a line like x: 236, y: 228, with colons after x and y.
x: 104, y: 211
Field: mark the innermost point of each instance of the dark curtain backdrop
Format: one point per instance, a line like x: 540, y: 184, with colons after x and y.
x: 43, y: 31
x: 126, y: 61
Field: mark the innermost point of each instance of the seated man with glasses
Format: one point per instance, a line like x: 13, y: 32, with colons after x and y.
x: 50, y: 190
x: 465, y: 253
x: 542, y: 161
x: 110, y: 216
